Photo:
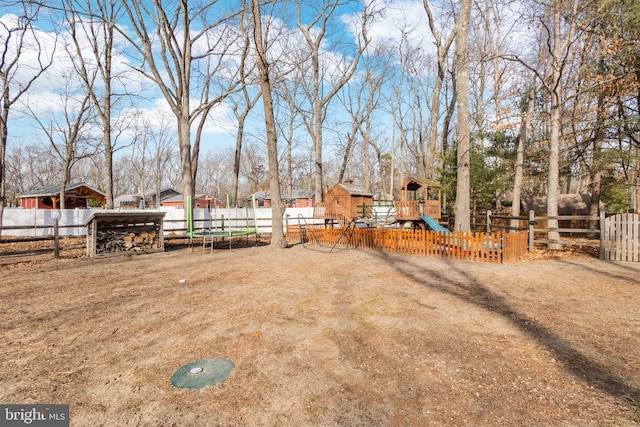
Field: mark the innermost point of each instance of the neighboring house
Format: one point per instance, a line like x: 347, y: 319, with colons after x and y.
x: 127, y: 201
x: 203, y: 201
x: 568, y: 204
x: 150, y: 200
x: 77, y: 195
x: 297, y: 199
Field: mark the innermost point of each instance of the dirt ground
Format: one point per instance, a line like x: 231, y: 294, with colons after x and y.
x: 348, y: 338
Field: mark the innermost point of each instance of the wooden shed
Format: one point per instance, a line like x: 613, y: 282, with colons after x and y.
x: 342, y: 203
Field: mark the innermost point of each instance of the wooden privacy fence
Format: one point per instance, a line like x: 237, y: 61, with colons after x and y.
x: 620, y: 238
x: 488, y: 247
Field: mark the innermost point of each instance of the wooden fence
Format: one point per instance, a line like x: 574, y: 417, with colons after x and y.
x: 574, y: 230
x: 487, y: 247
x: 620, y: 238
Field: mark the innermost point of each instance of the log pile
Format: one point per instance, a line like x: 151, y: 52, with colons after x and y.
x: 125, y: 241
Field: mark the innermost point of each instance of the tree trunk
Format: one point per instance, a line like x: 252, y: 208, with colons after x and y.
x: 235, y: 179
x: 185, y: 165
x: 278, y: 240
x: 318, y: 178
x: 596, y: 167
x: 4, y: 115
x: 463, y: 184
x: 553, y: 182
x: 553, y: 236
x: 519, y: 166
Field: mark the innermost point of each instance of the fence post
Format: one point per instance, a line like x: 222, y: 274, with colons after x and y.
x: 56, y: 239
x: 487, y: 227
x: 531, y: 229
x: 602, y: 233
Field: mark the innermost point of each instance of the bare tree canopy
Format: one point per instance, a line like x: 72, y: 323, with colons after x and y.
x: 498, y: 101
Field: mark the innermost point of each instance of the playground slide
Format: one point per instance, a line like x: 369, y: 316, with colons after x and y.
x: 433, y: 224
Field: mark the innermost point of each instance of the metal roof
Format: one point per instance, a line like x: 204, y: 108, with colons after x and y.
x: 137, y: 217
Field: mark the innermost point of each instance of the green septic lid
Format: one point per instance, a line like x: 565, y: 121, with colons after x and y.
x: 202, y: 373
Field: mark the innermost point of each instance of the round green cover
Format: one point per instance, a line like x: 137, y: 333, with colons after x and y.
x: 213, y: 371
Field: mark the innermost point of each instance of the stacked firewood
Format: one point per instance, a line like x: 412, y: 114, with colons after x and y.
x: 122, y: 241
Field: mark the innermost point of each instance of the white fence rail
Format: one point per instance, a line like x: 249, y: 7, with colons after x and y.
x: 71, y: 222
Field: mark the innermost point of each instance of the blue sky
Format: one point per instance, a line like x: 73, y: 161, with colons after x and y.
x: 220, y: 130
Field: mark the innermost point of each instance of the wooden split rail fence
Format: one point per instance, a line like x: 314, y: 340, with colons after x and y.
x: 487, y: 247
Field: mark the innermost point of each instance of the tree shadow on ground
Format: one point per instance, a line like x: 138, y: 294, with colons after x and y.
x: 634, y: 273
x: 462, y: 285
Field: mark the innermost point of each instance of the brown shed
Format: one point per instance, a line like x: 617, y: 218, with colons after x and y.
x: 343, y: 203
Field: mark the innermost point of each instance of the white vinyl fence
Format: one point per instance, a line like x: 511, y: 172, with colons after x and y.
x: 17, y: 222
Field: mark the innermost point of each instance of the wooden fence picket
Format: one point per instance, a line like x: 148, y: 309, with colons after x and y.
x: 620, y: 240
x: 486, y: 247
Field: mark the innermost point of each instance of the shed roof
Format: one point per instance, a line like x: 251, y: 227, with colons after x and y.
x: 355, y: 190
x: 136, y: 217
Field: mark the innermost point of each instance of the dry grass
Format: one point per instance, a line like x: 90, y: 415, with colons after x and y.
x: 347, y: 338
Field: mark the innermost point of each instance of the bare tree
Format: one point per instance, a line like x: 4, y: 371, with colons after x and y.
x: 525, y: 123
x: 30, y: 166
x: 288, y: 122
x: 68, y: 128
x: 92, y: 27
x: 315, y: 34
x: 404, y: 52
x: 560, y: 42
x: 217, y: 168
x: 558, y: 25
x: 278, y: 240
x: 185, y: 50
x: 242, y: 108
x: 361, y: 99
x: 17, y: 75
x: 164, y: 155
x: 443, y: 44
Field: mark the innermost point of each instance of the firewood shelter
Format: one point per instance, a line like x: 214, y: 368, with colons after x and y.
x: 113, y: 233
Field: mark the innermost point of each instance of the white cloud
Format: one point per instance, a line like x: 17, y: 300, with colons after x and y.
x: 399, y: 22
x: 159, y: 115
